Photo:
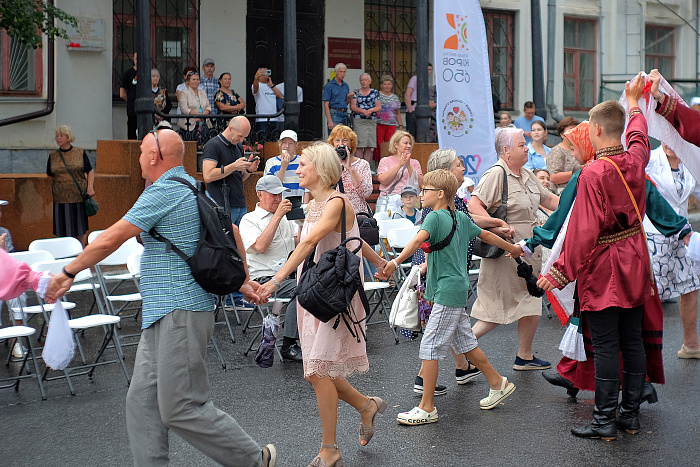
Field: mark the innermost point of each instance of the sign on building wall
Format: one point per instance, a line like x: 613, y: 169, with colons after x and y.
x: 464, y: 110
x: 348, y: 51
x: 89, y: 36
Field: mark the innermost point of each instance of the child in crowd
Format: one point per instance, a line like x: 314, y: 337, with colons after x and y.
x: 409, y: 200
x: 445, y: 234
x: 543, y: 176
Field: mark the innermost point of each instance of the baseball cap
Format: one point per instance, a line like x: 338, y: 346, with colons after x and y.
x: 271, y: 184
x: 695, y: 101
x: 207, y: 61
x: 3, y: 202
x: 289, y: 134
x: 409, y: 190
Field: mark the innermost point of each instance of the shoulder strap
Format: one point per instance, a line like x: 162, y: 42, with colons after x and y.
x: 157, y: 236
x: 403, y: 169
x: 629, y: 192
x: 71, y: 173
x: 343, y: 227
x: 504, y: 193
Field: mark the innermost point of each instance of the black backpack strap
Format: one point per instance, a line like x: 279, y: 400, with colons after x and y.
x: 157, y: 236
x: 446, y: 241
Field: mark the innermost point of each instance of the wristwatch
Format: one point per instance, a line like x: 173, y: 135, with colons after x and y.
x: 223, y: 167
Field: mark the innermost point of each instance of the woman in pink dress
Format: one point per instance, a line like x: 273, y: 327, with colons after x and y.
x: 330, y: 355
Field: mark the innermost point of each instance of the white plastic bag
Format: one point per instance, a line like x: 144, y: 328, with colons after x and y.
x: 404, y: 310
x: 59, y: 347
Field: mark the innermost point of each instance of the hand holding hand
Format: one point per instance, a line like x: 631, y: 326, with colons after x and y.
x: 58, y: 286
x: 506, y: 232
x: 655, y: 78
x: 251, y: 292
x: 634, y: 91
x: 267, y: 289
x: 380, y: 271
x: 516, y: 251
x: 544, y: 284
x: 389, y: 269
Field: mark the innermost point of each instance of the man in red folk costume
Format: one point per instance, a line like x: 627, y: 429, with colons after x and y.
x: 609, y: 259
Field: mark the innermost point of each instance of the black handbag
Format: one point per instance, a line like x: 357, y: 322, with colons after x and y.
x: 483, y: 249
x: 326, y: 288
x: 91, y: 206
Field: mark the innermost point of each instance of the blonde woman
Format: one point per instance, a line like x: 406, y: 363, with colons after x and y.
x: 330, y: 355
x: 69, y: 216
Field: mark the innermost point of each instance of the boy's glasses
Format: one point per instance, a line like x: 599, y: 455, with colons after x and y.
x: 423, y: 190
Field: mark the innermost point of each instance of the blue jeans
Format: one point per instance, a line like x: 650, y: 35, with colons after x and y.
x: 237, y: 214
x: 339, y: 117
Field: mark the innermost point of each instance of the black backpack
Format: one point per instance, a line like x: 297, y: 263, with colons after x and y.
x: 326, y: 288
x: 216, y: 264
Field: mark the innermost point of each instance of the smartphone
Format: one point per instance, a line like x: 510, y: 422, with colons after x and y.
x: 268, y: 72
x: 297, y: 212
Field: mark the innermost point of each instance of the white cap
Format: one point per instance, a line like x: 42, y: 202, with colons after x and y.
x: 695, y: 101
x: 289, y: 134
x: 3, y: 202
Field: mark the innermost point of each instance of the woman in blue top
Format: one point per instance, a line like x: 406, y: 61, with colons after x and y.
x: 537, y: 151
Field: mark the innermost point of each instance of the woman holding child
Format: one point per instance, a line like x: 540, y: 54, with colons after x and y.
x: 330, y: 355
x: 502, y: 295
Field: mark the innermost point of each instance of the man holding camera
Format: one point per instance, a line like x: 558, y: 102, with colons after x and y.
x: 225, y: 167
x: 266, y: 94
x: 269, y: 238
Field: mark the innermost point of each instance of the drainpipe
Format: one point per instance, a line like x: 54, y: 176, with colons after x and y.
x: 600, y: 49
x: 49, y: 89
x: 537, y: 68
x: 291, y: 104
x: 551, y: 51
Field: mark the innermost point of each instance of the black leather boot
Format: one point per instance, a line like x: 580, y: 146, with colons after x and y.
x: 603, y: 424
x: 632, y: 388
x: 649, y: 393
x: 555, y: 378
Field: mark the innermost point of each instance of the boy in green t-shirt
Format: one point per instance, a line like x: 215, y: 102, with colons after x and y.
x: 447, y: 276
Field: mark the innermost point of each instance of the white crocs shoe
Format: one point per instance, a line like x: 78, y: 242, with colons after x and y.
x: 497, y: 395
x: 417, y: 416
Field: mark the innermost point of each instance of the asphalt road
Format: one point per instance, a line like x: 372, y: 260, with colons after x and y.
x: 531, y: 428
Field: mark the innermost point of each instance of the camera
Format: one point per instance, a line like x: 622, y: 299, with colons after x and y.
x: 342, y: 151
x: 268, y: 72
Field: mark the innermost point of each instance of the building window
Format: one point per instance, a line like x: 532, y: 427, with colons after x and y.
x: 500, y: 34
x: 390, y: 41
x: 579, y: 63
x: 658, y: 49
x: 20, y: 68
x: 173, y: 39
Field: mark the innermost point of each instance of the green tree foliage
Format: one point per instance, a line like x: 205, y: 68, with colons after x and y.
x: 25, y: 19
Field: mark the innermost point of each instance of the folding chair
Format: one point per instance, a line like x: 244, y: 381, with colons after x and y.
x: 61, y: 247
x: 107, y: 322
x: 398, y: 238
x: 18, y: 332
x: 381, y: 216
x: 384, y: 227
x: 473, y: 272
x: 378, y: 290
x: 119, y: 258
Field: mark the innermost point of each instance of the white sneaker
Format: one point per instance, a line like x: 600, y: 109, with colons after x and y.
x: 417, y: 416
x: 18, y: 351
x: 497, y: 395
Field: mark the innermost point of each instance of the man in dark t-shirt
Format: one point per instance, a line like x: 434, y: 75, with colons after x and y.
x: 127, y: 91
x: 224, y: 161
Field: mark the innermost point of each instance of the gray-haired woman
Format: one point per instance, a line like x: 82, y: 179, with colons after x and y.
x: 502, y: 295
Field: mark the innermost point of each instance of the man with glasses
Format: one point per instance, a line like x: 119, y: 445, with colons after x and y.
x: 170, y: 387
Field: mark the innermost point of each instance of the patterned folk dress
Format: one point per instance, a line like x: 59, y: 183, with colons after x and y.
x: 329, y: 352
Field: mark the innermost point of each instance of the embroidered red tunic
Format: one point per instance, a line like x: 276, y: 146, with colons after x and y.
x: 608, y: 255
x: 684, y: 119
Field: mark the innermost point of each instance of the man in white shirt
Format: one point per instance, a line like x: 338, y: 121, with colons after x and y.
x: 269, y: 237
x: 285, y: 165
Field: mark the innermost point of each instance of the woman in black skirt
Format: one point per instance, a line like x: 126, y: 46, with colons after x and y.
x: 69, y: 215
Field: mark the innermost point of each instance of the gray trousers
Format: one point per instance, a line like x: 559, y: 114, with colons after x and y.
x: 286, y: 290
x: 170, y: 391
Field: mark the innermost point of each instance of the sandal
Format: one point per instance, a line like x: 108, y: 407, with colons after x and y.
x: 319, y: 462
x: 367, y: 432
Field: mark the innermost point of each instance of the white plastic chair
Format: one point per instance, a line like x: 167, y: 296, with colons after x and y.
x: 397, y: 235
x: 61, y: 247
x: 378, y: 290
x: 381, y: 216
x: 106, y: 321
x: 119, y: 257
x: 18, y: 332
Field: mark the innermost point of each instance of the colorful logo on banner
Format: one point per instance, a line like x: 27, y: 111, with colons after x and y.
x: 457, y: 41
x: 457, y: 118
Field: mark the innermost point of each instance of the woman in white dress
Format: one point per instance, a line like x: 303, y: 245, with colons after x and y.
x: 673, y: 272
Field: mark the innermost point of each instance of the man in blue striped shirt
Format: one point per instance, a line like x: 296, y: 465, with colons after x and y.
x: 170, y: 386
x: 285, y: 165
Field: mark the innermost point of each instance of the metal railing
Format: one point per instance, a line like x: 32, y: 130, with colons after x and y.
x: 613, y: 88
x: 211, y: 125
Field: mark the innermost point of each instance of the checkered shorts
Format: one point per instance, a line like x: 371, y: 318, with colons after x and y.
x: 447, y: 327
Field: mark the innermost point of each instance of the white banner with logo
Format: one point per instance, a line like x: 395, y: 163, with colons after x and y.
x: 464, y: 110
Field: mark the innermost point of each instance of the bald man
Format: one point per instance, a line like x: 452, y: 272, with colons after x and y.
x: 170, y: 386
x: 225, y: 167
